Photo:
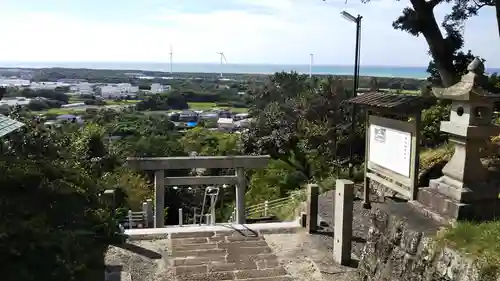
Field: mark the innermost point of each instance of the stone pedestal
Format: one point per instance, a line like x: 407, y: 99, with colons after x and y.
x: 465, y: 191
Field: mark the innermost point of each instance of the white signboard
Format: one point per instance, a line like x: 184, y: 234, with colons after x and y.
x: 390, y: 149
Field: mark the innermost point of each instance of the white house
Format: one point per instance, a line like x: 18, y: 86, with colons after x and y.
x: 83, y: 88
x: 225, y: 124
x: 157, y: 88
x: 121, y: 90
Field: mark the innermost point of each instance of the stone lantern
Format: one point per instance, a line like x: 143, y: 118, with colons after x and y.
x: 465, y: 190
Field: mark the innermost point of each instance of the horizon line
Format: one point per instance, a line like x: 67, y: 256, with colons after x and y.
x: 210, y: 63
x: 216, y: 63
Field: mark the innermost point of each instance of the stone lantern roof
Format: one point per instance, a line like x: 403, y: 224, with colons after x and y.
x: 472, y: 87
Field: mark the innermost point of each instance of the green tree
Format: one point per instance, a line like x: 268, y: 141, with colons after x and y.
x: 460, y: 62
x: 302, y: 122
x: 419, y: 19
x: 54, y: 224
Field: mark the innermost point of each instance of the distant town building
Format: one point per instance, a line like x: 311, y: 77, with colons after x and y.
x: 14, y: 101
x: 82, y: 88
x: 122, y: 90
x: 73, y: 105
x: 225, y: 124
x: 157, y: 88
x: 146, y: 77
x: 47, y: 85
x: 13, y: 82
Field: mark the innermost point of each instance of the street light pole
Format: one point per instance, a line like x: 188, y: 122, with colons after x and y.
x: 357, y: 21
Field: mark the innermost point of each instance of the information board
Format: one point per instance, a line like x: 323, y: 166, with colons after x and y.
x: 390, y: 149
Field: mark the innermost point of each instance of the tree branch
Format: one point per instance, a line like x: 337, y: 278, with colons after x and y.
x: 433, y: 3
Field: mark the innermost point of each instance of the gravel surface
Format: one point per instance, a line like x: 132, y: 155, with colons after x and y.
x: 393, y: 205
x: 361, y: 221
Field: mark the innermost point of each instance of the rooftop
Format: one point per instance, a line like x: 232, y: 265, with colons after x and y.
x: 8, y: 125
x: 402, y: 103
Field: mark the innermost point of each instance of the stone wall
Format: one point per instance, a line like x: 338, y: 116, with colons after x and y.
x: 393, y: 252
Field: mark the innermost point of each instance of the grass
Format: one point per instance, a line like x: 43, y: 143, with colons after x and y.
x: 121, y: 102
x: 60, y: 111
x: 480, y: 240
x: 430, y: 157
x: 213, y: 105
x: 202, y: 105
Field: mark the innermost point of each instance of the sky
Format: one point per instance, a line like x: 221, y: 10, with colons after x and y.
x: 247, y: 31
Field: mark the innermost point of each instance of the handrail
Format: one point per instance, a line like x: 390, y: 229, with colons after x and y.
x: 264, y: 208
x: 270, y: 202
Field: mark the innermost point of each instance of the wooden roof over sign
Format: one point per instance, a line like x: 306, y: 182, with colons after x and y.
x: 393, y: 102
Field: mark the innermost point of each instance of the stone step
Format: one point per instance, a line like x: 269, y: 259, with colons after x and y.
x: 277, y: 273
x: 232, y: 255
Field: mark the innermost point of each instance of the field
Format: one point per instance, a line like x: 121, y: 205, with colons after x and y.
x: 205, y: 106
x: 212, y: 105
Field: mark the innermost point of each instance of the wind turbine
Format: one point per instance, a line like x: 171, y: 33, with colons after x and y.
x: 222, y: 60
x: 171, y: 58
x: 311, y: 61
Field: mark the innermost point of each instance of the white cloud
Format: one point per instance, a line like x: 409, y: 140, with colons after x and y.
x: 277, y: 31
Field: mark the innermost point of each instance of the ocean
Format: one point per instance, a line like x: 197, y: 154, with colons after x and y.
x: 380, y: 71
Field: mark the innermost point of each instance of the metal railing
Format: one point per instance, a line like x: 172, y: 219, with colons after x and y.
x: 135, y: 220
x: 265, y: 209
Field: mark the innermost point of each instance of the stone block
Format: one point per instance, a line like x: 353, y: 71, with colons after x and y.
x: 303, y: 219
x: 242, y: 244
x: 237, y: 257
x: 253, y: 251
x: 189, y: 269
x: 187, y: 241
x: 212, y: 276
x: 312, y: 208
x: 260, y: 273
x: 217, y: 239
x: 343, y: 207
x: 279, y: 278
x: 237, y: 233
x: 244, y: 238
x: 262, y: 257
x: 443, y: 206
x: 200, y: 253
x: 271, y: 263
x: 197, y: 260
x: 191, y: 247
x: 204, y: 234
x: 218, y: 267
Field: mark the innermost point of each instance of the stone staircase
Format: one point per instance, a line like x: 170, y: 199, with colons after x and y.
x: 223, y: 256
x: 256, y: 252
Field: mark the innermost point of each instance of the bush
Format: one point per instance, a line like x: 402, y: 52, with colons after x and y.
x: 431, y: 122
x: 38, y: 105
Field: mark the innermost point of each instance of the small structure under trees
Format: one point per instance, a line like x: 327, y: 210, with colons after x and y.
x: 392, y: 141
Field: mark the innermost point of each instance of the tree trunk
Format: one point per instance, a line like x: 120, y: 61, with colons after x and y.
x: 441, y: 53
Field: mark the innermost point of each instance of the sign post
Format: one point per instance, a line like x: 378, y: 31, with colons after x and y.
x: 392, y: 142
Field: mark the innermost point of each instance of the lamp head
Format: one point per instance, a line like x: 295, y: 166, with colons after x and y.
x: 348, y: 16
